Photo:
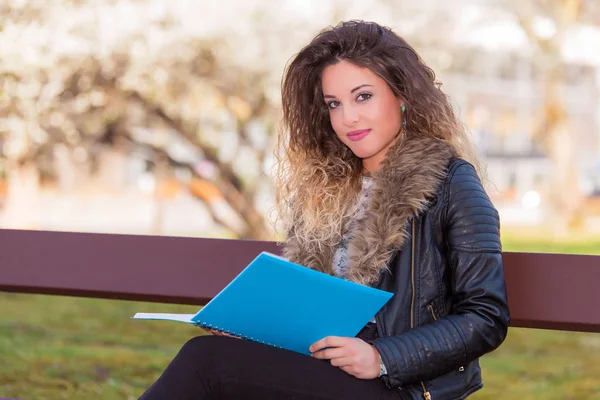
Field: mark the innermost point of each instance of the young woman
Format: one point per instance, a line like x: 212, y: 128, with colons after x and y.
x: 379, y: 186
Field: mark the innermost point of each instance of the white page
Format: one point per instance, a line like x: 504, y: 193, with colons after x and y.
x: 187, y: 318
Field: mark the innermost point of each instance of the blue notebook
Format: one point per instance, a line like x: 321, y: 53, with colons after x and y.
x: 282, y: 304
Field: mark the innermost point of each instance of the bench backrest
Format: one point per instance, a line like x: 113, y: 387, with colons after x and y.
x: 552, y: 291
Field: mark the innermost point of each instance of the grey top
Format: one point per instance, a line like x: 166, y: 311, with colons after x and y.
x: 340, y: 258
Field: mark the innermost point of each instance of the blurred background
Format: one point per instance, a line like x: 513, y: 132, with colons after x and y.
x: 159, y: 118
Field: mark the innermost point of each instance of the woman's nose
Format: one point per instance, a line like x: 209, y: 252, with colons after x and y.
x: 350, y: 116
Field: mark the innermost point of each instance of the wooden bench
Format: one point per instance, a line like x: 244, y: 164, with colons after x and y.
x: 550, y: 291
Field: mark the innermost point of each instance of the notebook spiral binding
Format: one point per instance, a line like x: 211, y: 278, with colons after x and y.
x: 229, y: 332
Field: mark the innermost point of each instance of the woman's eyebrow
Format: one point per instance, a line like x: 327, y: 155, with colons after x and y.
x: 328, y: 96
x: 360, y: 87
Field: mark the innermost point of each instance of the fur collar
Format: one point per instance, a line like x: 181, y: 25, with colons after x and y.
x: 402, y: 189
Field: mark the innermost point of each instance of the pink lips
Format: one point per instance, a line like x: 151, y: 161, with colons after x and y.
x: 355, y: 136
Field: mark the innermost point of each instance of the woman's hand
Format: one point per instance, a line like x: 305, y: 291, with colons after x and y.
x: 352, y: 355
x: 218, y: 333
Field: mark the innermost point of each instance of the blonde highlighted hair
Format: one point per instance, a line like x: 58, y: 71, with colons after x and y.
x: 317, y: 177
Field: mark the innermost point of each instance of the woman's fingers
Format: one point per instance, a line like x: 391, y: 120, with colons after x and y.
x: 329, y: 341
x: 216, y: 333
x: 342, y: 362
x: 331, y: 353
x: 219, y: 333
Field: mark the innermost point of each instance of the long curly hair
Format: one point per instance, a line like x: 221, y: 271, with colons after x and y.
x: 317, y: 177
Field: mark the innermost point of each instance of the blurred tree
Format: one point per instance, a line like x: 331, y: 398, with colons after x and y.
x: 547, y: 24
x: 59, y: 105
x: 196, y: 89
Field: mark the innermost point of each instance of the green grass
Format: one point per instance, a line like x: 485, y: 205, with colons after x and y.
x: 537, y: 243
x: 67, y: 348
x: 70, y: 348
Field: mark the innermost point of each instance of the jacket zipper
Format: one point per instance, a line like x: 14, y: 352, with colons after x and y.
x: 430, y: 307
x: 426, y: 394
x: 412, y: 277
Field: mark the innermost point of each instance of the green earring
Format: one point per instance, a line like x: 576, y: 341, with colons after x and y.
x: 403, y: 108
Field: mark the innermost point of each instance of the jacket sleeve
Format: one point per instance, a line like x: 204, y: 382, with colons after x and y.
x: 478, y: 321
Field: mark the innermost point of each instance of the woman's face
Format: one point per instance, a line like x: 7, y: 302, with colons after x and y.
x: 364, y: 112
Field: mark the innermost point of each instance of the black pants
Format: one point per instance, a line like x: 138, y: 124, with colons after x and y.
x: 216, y: 367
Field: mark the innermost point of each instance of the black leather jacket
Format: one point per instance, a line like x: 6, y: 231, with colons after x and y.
x: 450, y: 305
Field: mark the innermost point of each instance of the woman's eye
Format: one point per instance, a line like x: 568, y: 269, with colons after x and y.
x: 333, y: 104
x: 364, y: 96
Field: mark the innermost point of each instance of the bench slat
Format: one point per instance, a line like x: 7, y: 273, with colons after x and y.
x: 127, y: 267
x: 550, y: 291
